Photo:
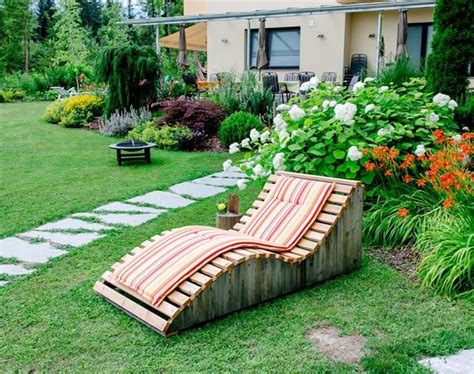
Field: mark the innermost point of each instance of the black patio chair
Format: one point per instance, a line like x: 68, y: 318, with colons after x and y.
x: 305, y: 76
x: 270, y: 83
x: 358, y: 67
x: 190, y: 80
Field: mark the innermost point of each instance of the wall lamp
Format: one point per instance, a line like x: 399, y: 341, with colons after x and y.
x: 321, y: 36
x: 371, y: 36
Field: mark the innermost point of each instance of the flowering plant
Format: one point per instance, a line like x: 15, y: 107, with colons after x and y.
x: 325, y: 131
x: 221, y: 207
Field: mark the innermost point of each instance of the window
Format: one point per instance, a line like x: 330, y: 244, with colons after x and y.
x: 283, y: 48
x: 419, y: 42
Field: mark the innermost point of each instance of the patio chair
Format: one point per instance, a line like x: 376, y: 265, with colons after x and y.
x: 271, y: 84
x: 305, y: 76
x: 63, y: 93
x: 353, y: 81
x: 329, y: 77
x: 291, y: 77
x: 358, y: 67
x: 194, y: 274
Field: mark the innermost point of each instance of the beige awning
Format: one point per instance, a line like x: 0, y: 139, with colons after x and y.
x: 196, y: 38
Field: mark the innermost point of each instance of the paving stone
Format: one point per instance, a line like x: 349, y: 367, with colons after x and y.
x: 73, y: 224
x: 162, y: 199
x: 75, y: 240
x: 25, y: 251
x: 229, y: 174
x: 224, y: 182
x: 3, y: 283
x: 123, y: 207
x: 196, y: 190
x: 120, y: 218
x: 14, y: 270
x: 459, y: 363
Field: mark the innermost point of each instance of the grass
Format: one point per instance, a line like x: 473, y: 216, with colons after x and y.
x: 48, y: 172
x: 53, y: 321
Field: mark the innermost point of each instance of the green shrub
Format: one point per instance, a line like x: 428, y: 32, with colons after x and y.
x: 326, y: 131
x: 75, y: 111
x: 54, y: 111
x: 398, y: 73
x: 166, y: 137
x: 464, y: 114
x: 237, y: 127
x: 446, y: 243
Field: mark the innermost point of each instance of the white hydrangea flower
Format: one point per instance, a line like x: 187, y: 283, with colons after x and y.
x: 283, y: 136
x: 354, y: 154
x: 280, y: 123
x: 345, y: 113
x: 338, y: 88
x: 420, y: 150
x: 457, y: 138
x: 245, y: 143
x: 326, y: 104
x: 265, y: 136
x: 358, y: 86
x: 283, y: 108
x: 234, y: 148
x: 254, y: 135
x: 465, y: 128
x: 279, y: 161
x: 369, y: 79
x: 433, y: 117
x: 258, y: 170
x: 452, y: 104
x: 313, y: 82
x: 369, y: 108
x: 314, y: 108
x: 241, y: 183
x: 441, y: 100
x: 333, y: 103
x: 383, y: 89
x: 296, y: 113
x: 385, y: 131
x: 304, y: 87
x: 227, y: 165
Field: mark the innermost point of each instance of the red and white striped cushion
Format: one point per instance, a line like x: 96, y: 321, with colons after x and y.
x: 286, y: 214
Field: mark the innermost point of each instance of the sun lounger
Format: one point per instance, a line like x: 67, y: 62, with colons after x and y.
x: 301, y: 230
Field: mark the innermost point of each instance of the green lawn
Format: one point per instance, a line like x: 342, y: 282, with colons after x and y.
x: 53, y: 321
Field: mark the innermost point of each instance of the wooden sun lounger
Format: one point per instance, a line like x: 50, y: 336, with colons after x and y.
x: 244, y: 277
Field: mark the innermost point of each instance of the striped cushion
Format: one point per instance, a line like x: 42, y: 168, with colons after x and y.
x: 286, y: 214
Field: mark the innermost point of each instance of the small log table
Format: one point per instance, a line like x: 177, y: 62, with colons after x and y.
x: 132, y: 147
x: 227, y: 220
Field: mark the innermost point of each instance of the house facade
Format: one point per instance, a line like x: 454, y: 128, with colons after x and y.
x: 319, y: 43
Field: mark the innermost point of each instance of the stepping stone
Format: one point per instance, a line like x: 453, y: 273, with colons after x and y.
x: 123, y: 207
x: 24, y: 251
x: 459, y: 363
x: 14, y: 270
x: 3, y: 283
x: 196, y: 190
x: 162, y: 199
x: 225, y: 182
x: 229, y: 174
x: 75, y: 240
x: 73, y: 224
x: 121, y: 219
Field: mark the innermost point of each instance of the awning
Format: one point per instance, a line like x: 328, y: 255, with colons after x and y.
x: 196, y: 38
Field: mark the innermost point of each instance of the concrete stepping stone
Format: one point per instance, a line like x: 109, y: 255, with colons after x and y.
x: 72, y: 224
x: 459, y: 363
x: 121, y: 219
x: 25, y: 251
x: 195, y: 190
x: 224, y: 182
x: 162, y: 199
x: 230, y: 174
x: 14, y: 270
x: 3, y: 283
x: 74, y: 240
x: 123, y: 207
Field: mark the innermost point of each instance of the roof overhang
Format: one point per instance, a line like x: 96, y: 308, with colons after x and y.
x: 288, y: 12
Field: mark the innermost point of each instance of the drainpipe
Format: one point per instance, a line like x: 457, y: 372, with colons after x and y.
x: 157, y: 40
x: 379, y: 40
x: 249, y: 58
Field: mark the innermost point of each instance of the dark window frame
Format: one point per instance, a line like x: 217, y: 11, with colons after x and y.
x: 269, y: 30
x: 424, y: 38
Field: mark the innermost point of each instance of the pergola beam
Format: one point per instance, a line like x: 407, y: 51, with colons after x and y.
x: 288, y: 12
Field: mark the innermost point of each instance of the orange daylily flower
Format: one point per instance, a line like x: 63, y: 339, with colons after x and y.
x: 420, y: 183
x: 447, y: 203
x: 388, y: 173
x: 403, y: 212
x: 440, y: 136
x: 369, y: 166
x: 407, y: 178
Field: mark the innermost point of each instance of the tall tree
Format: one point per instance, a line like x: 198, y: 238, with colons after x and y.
x: 111, y: 34
x: 91, y: 15
x: 17, y: 31
x: 45, y: 12
x: 452, y: 48
x: 70, y: 38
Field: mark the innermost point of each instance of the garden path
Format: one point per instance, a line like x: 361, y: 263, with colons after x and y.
x: 25, y: 250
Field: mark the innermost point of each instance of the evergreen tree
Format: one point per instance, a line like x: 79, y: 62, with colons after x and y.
x: 17, y: 31
x: 452, y: 48
x: 45, y: 13
x: 70, y: 38
x: 111, y: 34
x: 91, y: 15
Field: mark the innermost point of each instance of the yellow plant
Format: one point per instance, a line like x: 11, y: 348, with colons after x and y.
x: 83, y: 104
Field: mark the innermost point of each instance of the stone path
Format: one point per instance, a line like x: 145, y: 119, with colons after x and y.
x: 459, y: 363
x: 54, y: 239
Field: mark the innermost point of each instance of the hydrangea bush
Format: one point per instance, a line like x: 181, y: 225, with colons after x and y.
x: 325, y: 130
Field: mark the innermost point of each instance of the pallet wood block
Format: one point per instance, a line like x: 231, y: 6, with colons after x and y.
x: 243, y: 277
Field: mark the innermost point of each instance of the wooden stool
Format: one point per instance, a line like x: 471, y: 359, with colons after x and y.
x: 226, y: 221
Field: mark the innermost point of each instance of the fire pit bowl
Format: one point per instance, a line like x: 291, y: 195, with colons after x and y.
x: 132, y: 147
